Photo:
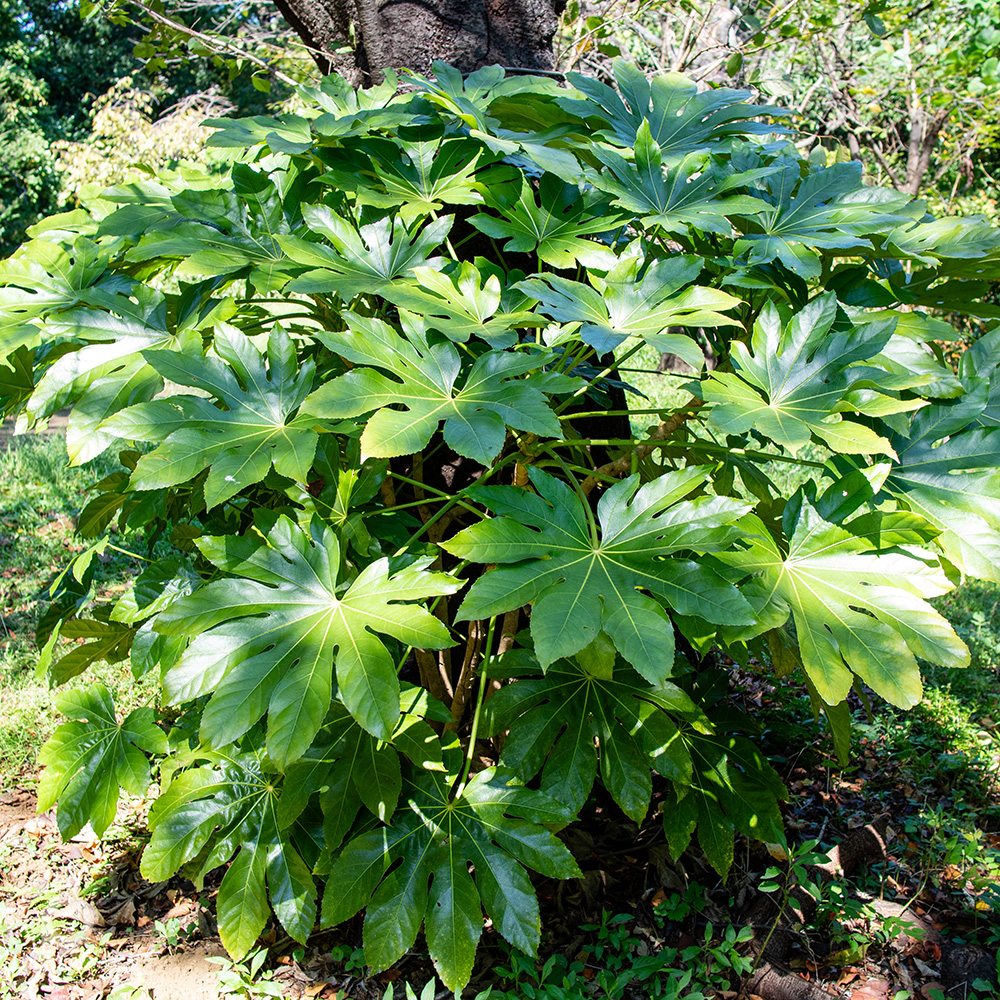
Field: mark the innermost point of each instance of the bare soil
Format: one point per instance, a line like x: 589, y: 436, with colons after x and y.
x: 52, y: 930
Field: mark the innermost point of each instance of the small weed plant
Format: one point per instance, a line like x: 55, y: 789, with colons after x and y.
x: 246, y: 980
x: 421, y: 565
x: 618, y: 961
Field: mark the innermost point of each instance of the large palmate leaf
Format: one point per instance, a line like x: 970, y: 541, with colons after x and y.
x: 562, y: 724
x: 493, y: 824
x: 826, y: 210
x: 351, y: 112
x: 487, y: 102
x: 581, y: 580
x: 461, y: 304
x: 857, y: 609
x: 694, y: 193
x: 626, y: 305
x: 732, y: 789
x: 554, y: 225
x: 422, y: 177
x: 215, y: 231
x: 469, y: 96
x: 949, y: 471
x: 252, y: 426
x: 361, y: 261
x: 209, y: 813
x: 91, y: 758
x: 798, y: 373
x: 681, y: 120
x: 267, y: 638
x: 422, y: 377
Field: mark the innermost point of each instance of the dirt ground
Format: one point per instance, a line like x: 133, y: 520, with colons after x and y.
x: 79, y: 922
x: 61, y: 946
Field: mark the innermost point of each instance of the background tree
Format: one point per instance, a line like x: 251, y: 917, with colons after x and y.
x: 911, y: 89
x: 464, y: 33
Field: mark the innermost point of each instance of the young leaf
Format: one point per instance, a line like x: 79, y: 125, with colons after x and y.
x: 422, y: 376
x: 580, y: 582
x: 90, y: 758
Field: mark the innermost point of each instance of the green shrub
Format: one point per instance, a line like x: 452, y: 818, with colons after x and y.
x: 426, y: 586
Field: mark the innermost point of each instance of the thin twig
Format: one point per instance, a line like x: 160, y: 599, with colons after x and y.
x: 665, y: 430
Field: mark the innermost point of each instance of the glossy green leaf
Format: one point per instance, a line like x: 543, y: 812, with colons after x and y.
x: 493, y: 824
x: 224, y: 807
x: 422, y: 376
x: 90, y: 758
x: 626, y: 305
x: 857, y: 609
x: 461, y: 305
x: 551, y: 223
x: 681, y: 120
x: 252, y: 426
x: 789, y: 387
x: 694, y: 193
x: 582, y: 579
x: 268, y: 638
x: 565, y: 723
x: 361, y: 261
x: 949, y: 471
x: 826, y: 210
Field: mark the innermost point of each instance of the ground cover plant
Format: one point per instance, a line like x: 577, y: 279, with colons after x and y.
x: 425, y: 573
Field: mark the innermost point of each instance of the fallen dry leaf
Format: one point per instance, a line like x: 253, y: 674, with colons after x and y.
x: 125, y: 913
x: 181, y: 909
x: 81, y: 910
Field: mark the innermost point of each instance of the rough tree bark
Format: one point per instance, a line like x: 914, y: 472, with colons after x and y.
x: 375, y: 35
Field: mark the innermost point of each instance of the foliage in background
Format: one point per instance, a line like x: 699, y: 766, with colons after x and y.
x: 396, y: 473
x: 125, y: 144
x: 910, y: 89
x: 49, y: 62
x: 81, y: 100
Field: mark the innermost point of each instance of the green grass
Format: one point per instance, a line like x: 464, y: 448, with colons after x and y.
x: 40, y: 497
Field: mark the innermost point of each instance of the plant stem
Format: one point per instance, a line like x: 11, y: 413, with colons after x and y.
x: 480, y: 693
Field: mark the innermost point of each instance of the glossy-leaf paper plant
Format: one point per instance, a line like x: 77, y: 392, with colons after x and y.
x: 424, y: 570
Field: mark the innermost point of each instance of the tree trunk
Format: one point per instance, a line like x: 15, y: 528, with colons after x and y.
x: 923, y: 137
x: 376, y: 35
